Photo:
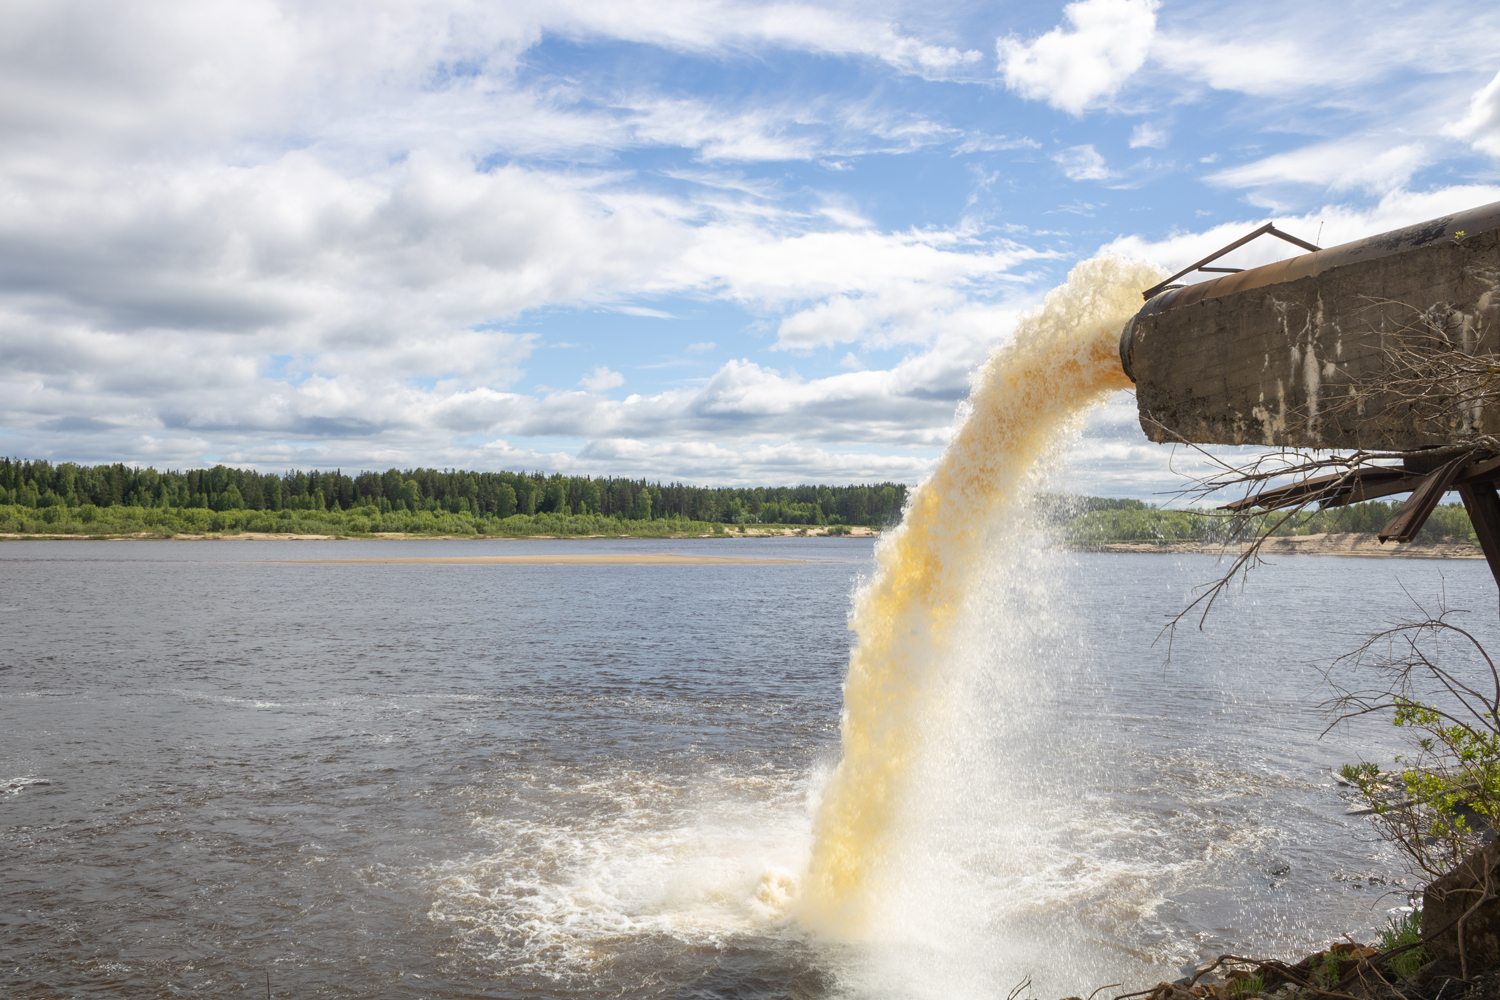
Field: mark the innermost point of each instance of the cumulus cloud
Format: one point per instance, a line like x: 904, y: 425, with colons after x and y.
x: 1075, y: 67
x: 332, y: 303
x: 277, y: 234
x: 1481, y: 126
x: 1083, y: 163
x: 601, y: 379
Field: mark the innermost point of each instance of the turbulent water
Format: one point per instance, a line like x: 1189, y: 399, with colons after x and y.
x: 969, y: 515
x: 590, y: 781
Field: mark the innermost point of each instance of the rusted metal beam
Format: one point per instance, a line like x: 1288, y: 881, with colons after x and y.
x: 1327, y: 489
x: 1483, y: 505
x: 1262, y: 231
x: 1359, y: 485
x: 1406, y: 522
x: 1486, y: 471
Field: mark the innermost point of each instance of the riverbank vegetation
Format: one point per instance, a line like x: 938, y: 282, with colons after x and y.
x: 1133, y: 521
x: 39, y: 497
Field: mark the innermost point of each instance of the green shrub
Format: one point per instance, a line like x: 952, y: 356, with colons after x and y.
x: 1326, y: 975
x: 1248, y: 987
x: 1399, y: 932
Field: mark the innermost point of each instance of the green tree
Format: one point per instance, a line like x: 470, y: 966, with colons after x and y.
x: 410, y: 493
x: 505, y: 500
x: 589, y: 496
x: 556, y: 496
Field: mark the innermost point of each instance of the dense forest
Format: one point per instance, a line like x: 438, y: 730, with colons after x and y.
x: 41, y: 498
x: 41, y: 485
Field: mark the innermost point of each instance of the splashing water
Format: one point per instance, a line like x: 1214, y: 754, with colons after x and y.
x: 1028, y: 398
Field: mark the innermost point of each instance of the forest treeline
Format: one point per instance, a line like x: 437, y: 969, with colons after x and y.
x: 38, y: 497
x: 40, y: 485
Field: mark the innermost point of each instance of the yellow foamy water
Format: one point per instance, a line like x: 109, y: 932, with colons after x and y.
x: 1025, y: 401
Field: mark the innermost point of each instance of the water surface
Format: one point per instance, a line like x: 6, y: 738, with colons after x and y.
x: 438, y: 780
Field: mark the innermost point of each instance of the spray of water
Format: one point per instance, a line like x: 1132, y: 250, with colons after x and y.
x: 1026, y: 400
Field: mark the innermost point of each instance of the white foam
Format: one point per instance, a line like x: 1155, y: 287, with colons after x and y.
x: 632, y: 857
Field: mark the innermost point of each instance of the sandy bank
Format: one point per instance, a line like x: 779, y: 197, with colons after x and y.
x: 1343, y: 544
x: 281, y: 536
x: 584, y: 559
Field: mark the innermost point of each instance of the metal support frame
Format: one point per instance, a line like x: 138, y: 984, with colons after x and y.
x: 1267, y: 229
x: 1408, y: 520
x: 1473, y: 476
x: 1483, y: 505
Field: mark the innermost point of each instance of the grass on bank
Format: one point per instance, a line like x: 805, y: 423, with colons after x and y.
x: 357, y: 522
x: 1401, y: 931
x: 1132, y: 521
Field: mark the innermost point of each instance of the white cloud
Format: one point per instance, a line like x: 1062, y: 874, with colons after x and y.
x: 1072, y: 69
x: 807, y: 130
x: 721, y: 25
x: 601, y: 379
x: 1372, y: 165
x: 755, y: 464
x: 279, y: 234
x: 979, y: 142
x: 1149, y: 135
x: 643, y: 311
x: 381, y: 294
x: 1481, y: 125
x: 1338, y: 47
x: 1250, y: 65
x: 1083, y: 163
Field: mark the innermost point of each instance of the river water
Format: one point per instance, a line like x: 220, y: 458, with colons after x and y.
x: 219, y: 768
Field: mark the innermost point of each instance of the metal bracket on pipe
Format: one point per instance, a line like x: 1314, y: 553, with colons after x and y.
x: 1268, y: 228
x: 1369, y: 482
x: 1408, y: 520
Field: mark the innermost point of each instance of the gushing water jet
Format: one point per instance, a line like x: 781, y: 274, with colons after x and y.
x: 1026, y: 398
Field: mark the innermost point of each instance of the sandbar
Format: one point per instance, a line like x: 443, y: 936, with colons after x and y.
x: 583, y: 559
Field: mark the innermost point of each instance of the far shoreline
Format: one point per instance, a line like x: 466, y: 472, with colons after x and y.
x: 1356, y: 544
x: 1349, y: 544
x: 854, y: 531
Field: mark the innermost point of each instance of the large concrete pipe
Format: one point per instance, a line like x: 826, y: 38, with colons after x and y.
x: 1293, y: 354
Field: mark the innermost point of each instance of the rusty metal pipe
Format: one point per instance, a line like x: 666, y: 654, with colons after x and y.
x: 1273, y: 355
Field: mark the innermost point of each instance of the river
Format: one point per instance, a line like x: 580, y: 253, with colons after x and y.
x: 224, y: 763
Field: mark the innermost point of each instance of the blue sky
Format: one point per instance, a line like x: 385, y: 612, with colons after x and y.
x: 721, y: 242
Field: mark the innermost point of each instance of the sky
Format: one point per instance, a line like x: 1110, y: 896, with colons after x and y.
x: 722, y: 242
